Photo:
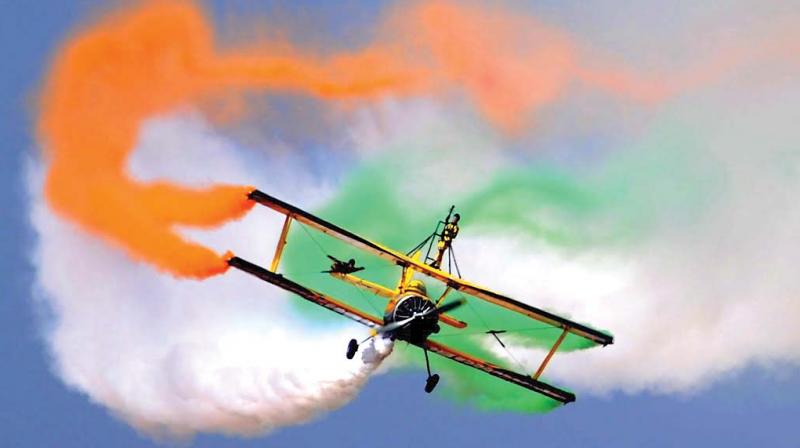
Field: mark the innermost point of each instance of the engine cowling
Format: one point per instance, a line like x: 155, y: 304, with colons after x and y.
x: 409, y: 305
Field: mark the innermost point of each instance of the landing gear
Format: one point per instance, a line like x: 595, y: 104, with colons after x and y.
x: 432, y: 380
x: 352, y: 348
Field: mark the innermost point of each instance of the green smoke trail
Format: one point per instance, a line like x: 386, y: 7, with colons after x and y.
x: 371, y: 206
x: 660, y: 182
x: 656, y: 184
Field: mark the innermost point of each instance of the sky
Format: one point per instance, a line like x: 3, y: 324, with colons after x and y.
x: 745, y: 406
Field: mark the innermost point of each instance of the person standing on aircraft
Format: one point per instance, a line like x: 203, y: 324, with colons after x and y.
x: 449, y: 233
x: 451, y: 230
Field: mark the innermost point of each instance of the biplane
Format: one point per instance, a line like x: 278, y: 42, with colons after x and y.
x: 411, y: 314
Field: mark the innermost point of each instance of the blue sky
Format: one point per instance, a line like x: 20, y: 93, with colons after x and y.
x: 751, y: 408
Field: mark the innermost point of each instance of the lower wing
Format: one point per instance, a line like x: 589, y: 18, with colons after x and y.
x: 504, y: 374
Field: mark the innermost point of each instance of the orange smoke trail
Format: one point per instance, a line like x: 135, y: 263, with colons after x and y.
x: 148, y: 61
x: 512, y: 65
x: 160, y: 56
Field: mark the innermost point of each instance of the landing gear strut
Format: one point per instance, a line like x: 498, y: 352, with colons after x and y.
x: 352, y: 348
x: 432, y: 380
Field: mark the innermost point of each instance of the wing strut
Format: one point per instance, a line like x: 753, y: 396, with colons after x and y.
x: 550, y: 354
x: 281, y: 243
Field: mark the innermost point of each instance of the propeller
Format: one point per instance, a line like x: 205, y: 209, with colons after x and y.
x: 451, y: 306
x: 388, y: 328
x: 392, y: 326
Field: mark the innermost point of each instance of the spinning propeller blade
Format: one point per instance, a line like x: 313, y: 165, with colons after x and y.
x: 396, y: 325
x: 450, y: 306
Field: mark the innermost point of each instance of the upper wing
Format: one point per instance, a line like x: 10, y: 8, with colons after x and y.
x: 308, y: 294
x: 504, y: 374
x: 458, y: 284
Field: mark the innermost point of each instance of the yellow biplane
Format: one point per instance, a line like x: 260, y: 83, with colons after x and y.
x: 411, y: 315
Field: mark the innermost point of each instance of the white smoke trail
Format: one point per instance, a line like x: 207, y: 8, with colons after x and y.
x: 692, y: 302
x: 174, y: 357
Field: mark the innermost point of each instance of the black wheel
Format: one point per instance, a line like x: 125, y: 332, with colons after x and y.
x: 431, y: 383
x: 352, y: 348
